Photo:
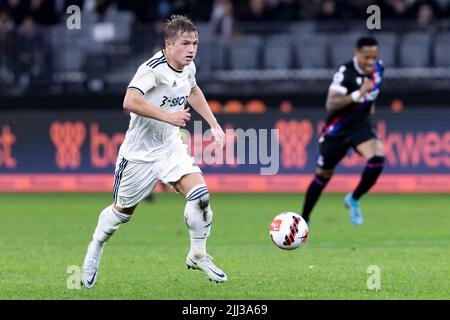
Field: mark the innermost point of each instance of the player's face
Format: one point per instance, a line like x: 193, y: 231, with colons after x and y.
x: 183, y: 49
x: 366, y: 58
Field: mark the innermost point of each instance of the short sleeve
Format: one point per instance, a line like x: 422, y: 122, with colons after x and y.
x: 144, y: 80
x: 340, y: 81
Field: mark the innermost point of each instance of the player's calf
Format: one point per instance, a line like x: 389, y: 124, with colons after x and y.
x: 314, y: 191
x: 108, y: 222
x: 369, y: 176
x: 198, y: 216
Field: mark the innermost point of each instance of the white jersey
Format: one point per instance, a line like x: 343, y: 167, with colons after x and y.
x: 167, y: 88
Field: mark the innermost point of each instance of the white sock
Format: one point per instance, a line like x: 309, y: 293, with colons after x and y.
x: 198, y: 248
x: 108, y: 222
x: 198, y: 217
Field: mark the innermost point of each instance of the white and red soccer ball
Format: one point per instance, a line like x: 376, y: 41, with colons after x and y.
x: 288, y: 230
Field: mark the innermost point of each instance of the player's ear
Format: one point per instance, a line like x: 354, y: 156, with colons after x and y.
x: 169, y: 41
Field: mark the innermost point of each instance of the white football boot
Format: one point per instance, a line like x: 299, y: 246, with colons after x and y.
x: 90, y: 268
x: 207, y: 266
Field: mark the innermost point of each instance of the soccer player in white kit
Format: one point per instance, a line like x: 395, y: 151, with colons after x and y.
x: 153, y: 149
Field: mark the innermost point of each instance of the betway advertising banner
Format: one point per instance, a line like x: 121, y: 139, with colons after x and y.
x: 268, y: 152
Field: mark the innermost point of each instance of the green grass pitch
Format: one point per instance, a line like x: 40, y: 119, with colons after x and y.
x: 406, y: 236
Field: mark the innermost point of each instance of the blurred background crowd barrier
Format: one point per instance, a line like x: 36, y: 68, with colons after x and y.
x: 284, y: 45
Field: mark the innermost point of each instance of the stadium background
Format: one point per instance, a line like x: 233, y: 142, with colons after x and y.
x: 263, y: 64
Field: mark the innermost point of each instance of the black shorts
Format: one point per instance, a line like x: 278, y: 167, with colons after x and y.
x: 334, y: 148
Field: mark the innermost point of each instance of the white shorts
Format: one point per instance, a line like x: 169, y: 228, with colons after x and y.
x: 134, y: 181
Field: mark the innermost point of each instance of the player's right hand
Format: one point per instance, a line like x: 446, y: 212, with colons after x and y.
x: 219, y: 135
x: 366, y: 86
x: 179, y: 118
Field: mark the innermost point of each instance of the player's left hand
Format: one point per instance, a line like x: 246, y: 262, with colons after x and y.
x: 219, y: 135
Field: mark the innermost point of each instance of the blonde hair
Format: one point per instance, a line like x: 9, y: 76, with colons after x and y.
x: 178, y: 24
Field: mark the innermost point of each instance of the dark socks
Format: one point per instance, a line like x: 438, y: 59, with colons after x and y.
x: 369, y: 176
x: 313, y: 194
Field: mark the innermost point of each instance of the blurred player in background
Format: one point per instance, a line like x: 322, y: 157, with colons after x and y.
x: 153, y: 150
x: 351, y: 99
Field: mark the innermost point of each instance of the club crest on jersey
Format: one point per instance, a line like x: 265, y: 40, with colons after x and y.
x: 174, y: 84
x: 359, y: 81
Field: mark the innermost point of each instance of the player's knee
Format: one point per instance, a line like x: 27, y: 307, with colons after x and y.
x: 128, y: 211
x: 324, y: 173
x: 379, y: 149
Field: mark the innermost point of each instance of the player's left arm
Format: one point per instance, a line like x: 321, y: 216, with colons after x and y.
x: 373, y: 106
x: 198, y: 101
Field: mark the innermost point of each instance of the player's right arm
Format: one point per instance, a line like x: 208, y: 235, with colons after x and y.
x: 338, y: 96
x: 135, y: 102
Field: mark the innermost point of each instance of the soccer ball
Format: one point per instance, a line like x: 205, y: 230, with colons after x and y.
x: 288, y: 230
